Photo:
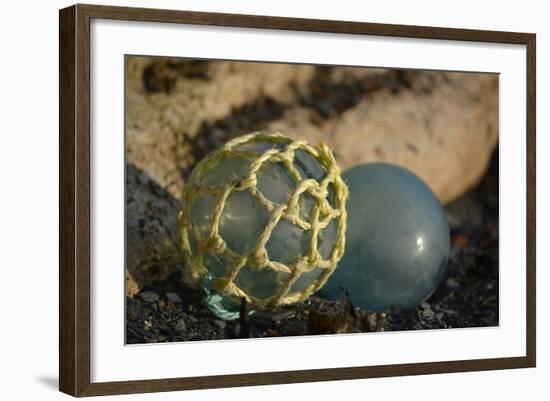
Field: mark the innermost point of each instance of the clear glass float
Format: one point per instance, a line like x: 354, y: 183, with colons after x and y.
x: 263, y: 218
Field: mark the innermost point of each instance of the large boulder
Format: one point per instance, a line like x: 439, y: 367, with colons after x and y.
x: 153, y: 250
x: 441, y: 125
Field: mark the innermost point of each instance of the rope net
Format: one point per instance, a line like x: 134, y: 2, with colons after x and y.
x: 275, y: 148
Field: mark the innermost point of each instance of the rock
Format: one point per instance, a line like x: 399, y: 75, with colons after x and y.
x: 180, y: 325
x: 173, y: 297
x: 452, y: 283
x: 280, y: 316
x: 465, y: 214
x: 167, y: 99
x: 149, y: 296
x: 131, y: 287
x: 152, y: 244
x: 441, y: 125
x: 219, y: 323
x: 133, y: 307
x: 445, y: 136
x: 428, y: 314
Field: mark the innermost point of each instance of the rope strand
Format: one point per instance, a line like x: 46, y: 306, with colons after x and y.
x: 283, y: 150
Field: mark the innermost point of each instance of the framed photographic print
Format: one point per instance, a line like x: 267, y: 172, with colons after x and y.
x: 251, y: 200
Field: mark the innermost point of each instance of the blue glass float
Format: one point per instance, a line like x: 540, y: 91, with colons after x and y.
x: 397, y: 240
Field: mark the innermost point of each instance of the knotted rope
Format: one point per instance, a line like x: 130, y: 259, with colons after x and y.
x: 282, y: 151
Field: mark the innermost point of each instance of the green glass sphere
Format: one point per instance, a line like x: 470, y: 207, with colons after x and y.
x: 397, y: 240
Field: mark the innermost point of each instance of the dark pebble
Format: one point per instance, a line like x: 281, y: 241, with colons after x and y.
x: 428, y: 314
x: 452, y: 283
x: 173, y: 297
x: 220, y: 323
x: 149, y: 296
